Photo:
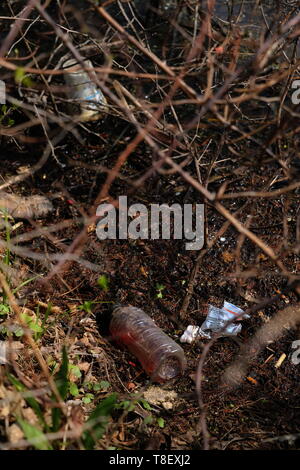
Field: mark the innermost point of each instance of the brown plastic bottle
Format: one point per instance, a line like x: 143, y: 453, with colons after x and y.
x: 159, y: 355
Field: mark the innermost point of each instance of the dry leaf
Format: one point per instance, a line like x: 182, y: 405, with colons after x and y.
x: 15, y: 434
x: 228, y: 257
x: 30, y: 416
x: 143, y: 271
x: 84, y: 366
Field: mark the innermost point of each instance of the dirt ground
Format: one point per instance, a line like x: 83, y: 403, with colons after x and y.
x: 263, y: 410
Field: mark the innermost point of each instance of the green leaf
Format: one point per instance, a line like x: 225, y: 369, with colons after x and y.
x: 32, y: 323
x: 4, y: 309
x: 35, y: 327
x: 34, y: 435
x: 74, y: 370
x: 145, y: 404
x: 62, y: 383
x: 61, y: 378
x: 98, y: 421
x: 103, y: 282
x: 161, y: 422
x: 88, y: 398
x: 87, y: 306
x: 74, y: 390
x: 102, y: 385
x: 127, y: 405
x: 148, y: 419
x: 19, y: 75
x: 10, y: 122
x: 19, y: 332
x: 17, y: 384
x: 159, y: 288
x: 88, y: 385
x: 56, y: 419
x: 104, y: 408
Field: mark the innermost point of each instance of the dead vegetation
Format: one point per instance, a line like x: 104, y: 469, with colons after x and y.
x: 202, y: 107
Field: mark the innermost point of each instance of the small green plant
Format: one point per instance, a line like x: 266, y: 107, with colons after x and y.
x: 159, y: 290
x: 74, y: 373
x: 93, y: 388
x: 34, y: 435
x: 5, y: 112
x: 33, y: 322
x: 44, y: 321
x: 4, y: 309
x: 103, y: 282
x: 101, y: 386
x: 129, y: 405
x: 160, y: 422
x: 88, y: 398
x: 86, y: 306
x: 98, y: 420
x: 150, y: 420
x: 22, y: 78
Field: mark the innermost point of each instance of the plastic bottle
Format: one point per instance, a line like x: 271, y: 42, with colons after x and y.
x: 88, y: 102
x: 159, y: 355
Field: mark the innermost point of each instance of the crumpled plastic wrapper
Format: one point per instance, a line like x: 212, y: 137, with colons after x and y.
x: 215, y: 322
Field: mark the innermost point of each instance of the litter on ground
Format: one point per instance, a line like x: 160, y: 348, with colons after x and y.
x: 219, y: 320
